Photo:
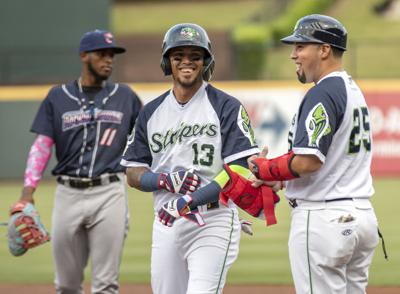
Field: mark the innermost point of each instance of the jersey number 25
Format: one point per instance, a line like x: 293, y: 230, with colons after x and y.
x: 360, y: 134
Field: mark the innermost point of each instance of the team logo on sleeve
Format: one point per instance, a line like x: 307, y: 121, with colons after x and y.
x: 317, y: 125
x: 245, y: 126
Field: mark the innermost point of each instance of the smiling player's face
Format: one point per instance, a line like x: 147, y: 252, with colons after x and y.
x: 307, y: 58
x: 187, y: 65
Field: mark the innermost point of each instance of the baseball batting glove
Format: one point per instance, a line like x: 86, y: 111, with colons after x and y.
x: 182, y: 182
x: 25, y: 231
x: 173, y: 209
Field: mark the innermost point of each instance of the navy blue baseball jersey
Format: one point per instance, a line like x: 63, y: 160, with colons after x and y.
x: 212, y: 128
x: 333, y: 124
x: 85, y: 130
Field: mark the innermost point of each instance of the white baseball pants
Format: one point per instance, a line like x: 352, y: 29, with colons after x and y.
x: 331, y: 246
x: 190, y: 259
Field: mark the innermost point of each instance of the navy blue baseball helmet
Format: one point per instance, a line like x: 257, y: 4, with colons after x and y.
x: 99, y: 40
x: 321, y: 29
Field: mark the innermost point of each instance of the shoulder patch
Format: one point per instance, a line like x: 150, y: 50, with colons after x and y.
x: 317, y: 124
x: 245, y: 126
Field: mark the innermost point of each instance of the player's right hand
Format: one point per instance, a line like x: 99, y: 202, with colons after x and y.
x: 182, y: 182
x: 173, y: 209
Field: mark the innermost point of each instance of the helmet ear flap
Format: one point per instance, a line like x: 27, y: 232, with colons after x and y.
x: 166, y: 65
x: 208, y: 70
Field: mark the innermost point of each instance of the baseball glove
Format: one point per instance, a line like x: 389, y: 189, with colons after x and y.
x: 25, y: 231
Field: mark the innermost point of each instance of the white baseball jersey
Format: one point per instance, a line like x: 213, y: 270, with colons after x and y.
x: 333, y: 123
x: 211, y: 129
x: 331, y: 243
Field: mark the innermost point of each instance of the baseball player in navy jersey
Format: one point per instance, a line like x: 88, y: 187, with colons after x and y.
x: 334, y: 229
x: 182, y: 138
x: 88, y: 121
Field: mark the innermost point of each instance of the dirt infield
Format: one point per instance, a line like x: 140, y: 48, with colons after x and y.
x: 145, y: 289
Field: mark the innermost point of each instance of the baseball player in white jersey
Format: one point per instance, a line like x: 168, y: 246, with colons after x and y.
x: 334, y: 229
x: 181, y: 141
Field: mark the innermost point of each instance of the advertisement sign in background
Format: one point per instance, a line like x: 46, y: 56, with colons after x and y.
x: 384, y: 110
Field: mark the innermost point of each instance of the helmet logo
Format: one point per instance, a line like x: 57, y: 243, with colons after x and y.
x: 190, y: 34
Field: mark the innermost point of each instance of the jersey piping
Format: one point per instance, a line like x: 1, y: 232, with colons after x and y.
x: 226, y: 253
x: 98, y: 125
x: 242, y: 154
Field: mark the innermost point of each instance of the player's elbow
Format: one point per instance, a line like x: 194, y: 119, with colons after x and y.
x: 131, y: 177
x: 130, y: 182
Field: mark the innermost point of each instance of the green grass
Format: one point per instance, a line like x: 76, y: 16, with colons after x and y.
x: 155, y: 18
x: 263, y: 257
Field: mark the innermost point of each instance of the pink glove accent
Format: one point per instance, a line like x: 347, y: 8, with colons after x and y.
x: 38, y: 157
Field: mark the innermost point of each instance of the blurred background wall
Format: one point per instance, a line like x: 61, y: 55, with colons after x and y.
x: 39, y: 38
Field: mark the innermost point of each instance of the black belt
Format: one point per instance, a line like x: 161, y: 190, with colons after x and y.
x: 87, y: 183
x: 212, y: 205
x: 293, y: 202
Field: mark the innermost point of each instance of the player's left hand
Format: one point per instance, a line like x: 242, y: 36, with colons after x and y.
x: 173, y: 209
x: 275, y: 185
x: 245, y: 225
x: 25, y: 230
x: 182, y: 182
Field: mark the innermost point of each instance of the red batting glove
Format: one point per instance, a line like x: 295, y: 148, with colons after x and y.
x: 276, y: 169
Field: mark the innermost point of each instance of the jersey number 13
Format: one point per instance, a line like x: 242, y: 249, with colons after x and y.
x: 204, y: 154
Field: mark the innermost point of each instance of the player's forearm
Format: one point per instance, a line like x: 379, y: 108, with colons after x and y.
x: 286, y: 167
x: 38, y: 158
x: 134, y: 175
x: 149, y: 181
x: 27, y: 194
x: 305, y: 164
x: 205, y: 195
x: 210, y: 192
